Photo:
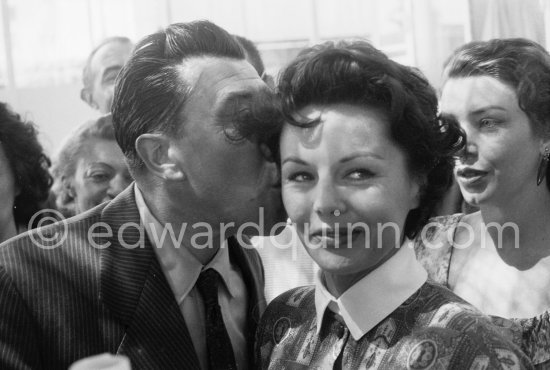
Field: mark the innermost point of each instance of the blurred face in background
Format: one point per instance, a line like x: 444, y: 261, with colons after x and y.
x: 502, y: 150
x: 104, y: 67
x: 100, y: 175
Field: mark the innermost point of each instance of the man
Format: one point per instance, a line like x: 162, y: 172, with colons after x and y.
x: 191, y: 116
x: 100, y: 72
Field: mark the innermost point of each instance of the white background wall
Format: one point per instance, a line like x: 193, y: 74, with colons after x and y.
x: 44, y: 43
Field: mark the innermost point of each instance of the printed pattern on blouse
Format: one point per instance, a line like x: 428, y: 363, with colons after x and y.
x: 433, y: 246
x: 433, y: 329
x: 434, y: 250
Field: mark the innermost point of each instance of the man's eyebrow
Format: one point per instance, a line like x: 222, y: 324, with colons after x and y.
x: 235, y: 102
x: 235, y: 97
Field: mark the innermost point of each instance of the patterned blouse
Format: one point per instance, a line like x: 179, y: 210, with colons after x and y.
x: 535, y: 332
x: 433, y: 329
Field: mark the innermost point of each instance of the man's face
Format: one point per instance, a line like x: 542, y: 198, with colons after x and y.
x: 232, y: 181
x: 105, y: 65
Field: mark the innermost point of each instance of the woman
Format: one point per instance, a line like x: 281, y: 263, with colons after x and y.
x: 364, y: 160
x: 90, y: 168
x: 24, y: 178
x: 497, y: 258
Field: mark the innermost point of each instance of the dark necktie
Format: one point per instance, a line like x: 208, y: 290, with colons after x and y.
x: 218, y: 344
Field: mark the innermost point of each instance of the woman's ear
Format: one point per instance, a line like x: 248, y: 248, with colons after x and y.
x: 86, y: 96
x: 68, y: 188
x: 418, y: 187
x: 545, y: 145
x: 153, y: 149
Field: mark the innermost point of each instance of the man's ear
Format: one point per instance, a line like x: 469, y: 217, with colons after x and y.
x: 153, y: 149
x: 86, y: 96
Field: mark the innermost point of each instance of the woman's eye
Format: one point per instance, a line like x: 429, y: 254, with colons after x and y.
x: 300, y: 177
x: 99, y: 177
x: 488, y: 123
x: 360, y: 174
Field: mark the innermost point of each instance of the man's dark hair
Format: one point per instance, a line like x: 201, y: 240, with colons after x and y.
x: 252, y: 54
x: 356, y: 73
x: 150, y: 92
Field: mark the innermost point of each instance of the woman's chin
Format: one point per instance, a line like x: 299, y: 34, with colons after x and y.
x: 338, y: 264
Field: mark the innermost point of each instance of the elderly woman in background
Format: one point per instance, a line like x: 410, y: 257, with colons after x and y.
x: 24, y: 178
x: 498, y: 258
x: 364, y: 161
x: 90, y: 168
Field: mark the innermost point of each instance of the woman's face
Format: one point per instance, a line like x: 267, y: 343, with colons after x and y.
x: 502, y: 151
x: 101, y: 174
x: 8, y: 189
x: 346, y: 187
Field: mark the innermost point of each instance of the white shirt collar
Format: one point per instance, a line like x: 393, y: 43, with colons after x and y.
x: 373, y: 298
x: 179, y: 265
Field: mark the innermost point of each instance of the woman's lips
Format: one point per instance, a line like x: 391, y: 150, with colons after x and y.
x: 334, y: 238
x: 470, y: 176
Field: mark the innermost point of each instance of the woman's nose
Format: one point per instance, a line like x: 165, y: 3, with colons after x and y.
x: 117, y: 184
x: 327, y: 200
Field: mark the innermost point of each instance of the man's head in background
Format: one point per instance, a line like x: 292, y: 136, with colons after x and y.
x: 253, y: 57
x: 101, y: 69
x: 251, y: 54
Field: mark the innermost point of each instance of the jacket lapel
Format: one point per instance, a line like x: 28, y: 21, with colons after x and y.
x: 150, y: 325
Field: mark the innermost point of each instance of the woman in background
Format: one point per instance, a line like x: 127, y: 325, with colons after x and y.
x: 90, y: 168
x: 364, y: 160
x: 498, y: 258
x: 24, y: 178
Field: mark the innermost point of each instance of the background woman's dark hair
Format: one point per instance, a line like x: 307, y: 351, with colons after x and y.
x: 357, y: 73
x: 521, y: 64
x: 28, y: 163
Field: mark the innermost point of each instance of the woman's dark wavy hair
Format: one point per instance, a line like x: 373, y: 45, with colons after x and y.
x: 521, y: 64
x: 28, y: 163
x: 356, y: 73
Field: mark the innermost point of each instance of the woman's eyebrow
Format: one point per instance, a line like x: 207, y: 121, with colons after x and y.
x: 295, y: 160
x: 483, y: 109
x: 360, y: 155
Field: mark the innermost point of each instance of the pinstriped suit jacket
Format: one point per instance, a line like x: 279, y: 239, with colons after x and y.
x: 75, y: 300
